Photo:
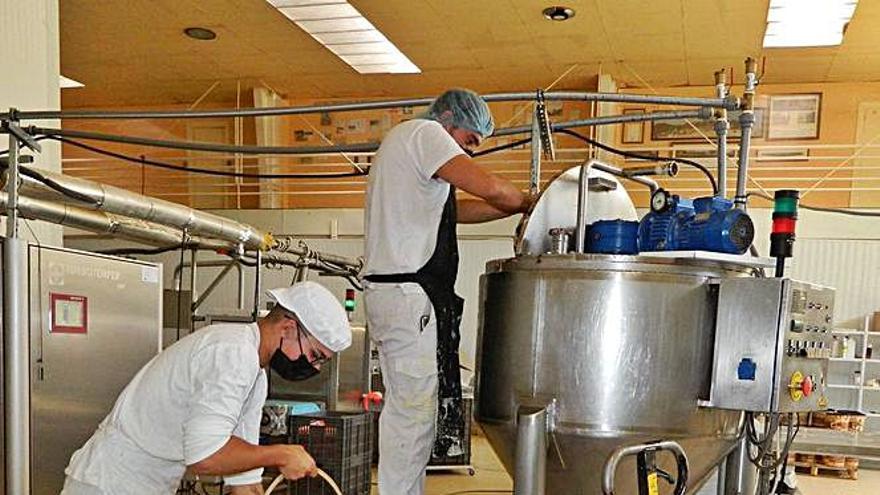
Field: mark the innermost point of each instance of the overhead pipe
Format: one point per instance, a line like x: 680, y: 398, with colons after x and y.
x: 746, y: 122
x: 722, y: 126
x: 121, y: 202
x: 105, y: 223
x: 702, y: 113
x: 729, y: 103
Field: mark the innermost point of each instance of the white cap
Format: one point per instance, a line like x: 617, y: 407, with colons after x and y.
x: 318, y: 310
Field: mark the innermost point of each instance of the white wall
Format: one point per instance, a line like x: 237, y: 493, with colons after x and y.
x: 29, y: 54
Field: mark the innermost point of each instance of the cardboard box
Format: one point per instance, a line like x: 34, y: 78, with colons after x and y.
x: 875, y: 322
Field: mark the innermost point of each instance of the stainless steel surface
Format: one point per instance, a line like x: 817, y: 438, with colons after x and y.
x: 781, y: 327
x: 121, y: 202
x: 669, y: 169
x: 79, y: 375
x: 16, y: 369
x: 737, y: 476
x: 214, y: 283
x: 560, y: 240
x: 624, y: 346
x: 632, y: 450
x: 580, y: 229
x: 728, y: 103
x: 531, y: 451
x: 734, y: 259
x: 105, y: 223
x: 556, y: 207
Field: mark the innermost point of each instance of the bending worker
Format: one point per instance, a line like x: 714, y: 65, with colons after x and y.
x: 411, y: 264
x: 197, y: 405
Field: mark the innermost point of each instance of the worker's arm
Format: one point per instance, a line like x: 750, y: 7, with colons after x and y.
x: 237, y: 456
x: 477, y: 211
x: 502, y: 195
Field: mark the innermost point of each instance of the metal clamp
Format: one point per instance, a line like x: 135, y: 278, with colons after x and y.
x: 642, y: 450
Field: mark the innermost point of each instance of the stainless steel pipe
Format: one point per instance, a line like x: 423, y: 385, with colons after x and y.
x: 702, y: 113
x: 729, y: 103
x: 531, y: 451
x: 16, y: 360
x: 121, y: 202
x: 580, y: 230
x: 105, y: 223
x: 747, y: 120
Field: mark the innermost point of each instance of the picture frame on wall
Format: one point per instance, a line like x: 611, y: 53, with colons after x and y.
x: 783, y: 155
x: 633, y: 132
x: 681, y: 130
x: 794, y: 116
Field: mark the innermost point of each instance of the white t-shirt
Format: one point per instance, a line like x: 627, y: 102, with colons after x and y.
x: 180, y: 408
x: 404, y: 200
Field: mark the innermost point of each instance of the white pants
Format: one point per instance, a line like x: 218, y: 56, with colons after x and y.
x: 403, y: 327
x: 74, y: 487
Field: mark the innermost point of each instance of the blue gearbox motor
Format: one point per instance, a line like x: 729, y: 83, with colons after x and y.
x: 702, y: 224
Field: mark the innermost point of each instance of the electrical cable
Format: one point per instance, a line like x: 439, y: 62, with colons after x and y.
x: 826, y: 209
x: 639, y: 156
x: 50, y: 183
x: 502, y: 147
x: 145, y: 251
x: 196, y: 170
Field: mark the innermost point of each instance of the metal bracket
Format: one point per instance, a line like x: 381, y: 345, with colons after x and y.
x: 544, y: 128
x: 11, y: 127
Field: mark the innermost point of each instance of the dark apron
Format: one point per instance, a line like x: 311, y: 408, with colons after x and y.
x: 437, y: 279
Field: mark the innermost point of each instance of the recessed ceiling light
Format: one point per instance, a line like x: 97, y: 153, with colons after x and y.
x: 342, y: 29
x: 806, y: 23
x: 558, y: 13
x: 200, y: 33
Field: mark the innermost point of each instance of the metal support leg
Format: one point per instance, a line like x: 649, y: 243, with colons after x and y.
x: 531, y: 451
x: 535, y: 166
x: 734, y: 478
x: 16, y: 351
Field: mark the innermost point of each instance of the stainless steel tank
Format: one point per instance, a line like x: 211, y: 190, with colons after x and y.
x: 618, y: 348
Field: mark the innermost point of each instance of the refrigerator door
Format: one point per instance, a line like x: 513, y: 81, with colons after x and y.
x: 95, y: 321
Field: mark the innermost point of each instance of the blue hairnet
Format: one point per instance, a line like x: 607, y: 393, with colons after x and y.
x: 467, y: 109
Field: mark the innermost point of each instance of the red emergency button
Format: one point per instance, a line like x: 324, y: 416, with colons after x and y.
x: 807, y: 386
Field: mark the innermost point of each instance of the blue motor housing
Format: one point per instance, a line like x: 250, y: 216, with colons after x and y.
x: 613, y: 237
x: 704, y: 224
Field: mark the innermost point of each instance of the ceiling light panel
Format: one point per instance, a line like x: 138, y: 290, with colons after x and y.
x: 344, y: 31
x: 807, y: 23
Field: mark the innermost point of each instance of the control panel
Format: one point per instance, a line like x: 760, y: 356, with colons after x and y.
x: 772, y: 345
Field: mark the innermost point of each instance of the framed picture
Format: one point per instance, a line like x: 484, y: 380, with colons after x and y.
x: 701, y: 152
x: 783, y: 155
x: 680, y: 129
x: 633, y: 132
x: 794, y: 116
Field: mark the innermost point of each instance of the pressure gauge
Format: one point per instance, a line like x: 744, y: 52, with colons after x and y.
x: 660, y: 201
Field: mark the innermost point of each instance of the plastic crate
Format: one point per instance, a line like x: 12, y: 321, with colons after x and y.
x: 341, y: 444
x: 465, y: 458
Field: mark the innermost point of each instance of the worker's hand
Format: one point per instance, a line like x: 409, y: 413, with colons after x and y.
x: 296, y: 463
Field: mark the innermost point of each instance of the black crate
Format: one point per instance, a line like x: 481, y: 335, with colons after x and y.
x: 465, y: 458
x: 341, y: 444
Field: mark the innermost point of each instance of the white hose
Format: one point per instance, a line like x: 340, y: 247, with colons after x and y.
x: 277, y: 481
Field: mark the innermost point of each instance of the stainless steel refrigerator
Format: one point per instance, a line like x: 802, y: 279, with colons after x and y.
x: 94, y: 322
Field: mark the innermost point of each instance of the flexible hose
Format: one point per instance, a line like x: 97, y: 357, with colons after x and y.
x: 277, y: 481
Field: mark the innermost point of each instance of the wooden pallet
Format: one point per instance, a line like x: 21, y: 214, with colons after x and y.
x: 815, y: 468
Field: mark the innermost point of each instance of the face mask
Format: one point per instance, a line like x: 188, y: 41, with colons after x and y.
x: 292, y: 369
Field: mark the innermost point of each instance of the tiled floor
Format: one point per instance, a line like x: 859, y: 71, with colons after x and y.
x: 490, y: 478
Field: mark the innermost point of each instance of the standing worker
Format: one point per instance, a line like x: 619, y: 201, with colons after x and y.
x: 198, y: 404
x: 411, y: 266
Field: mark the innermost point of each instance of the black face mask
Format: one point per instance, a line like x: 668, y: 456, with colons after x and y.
x: 293, y: 369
